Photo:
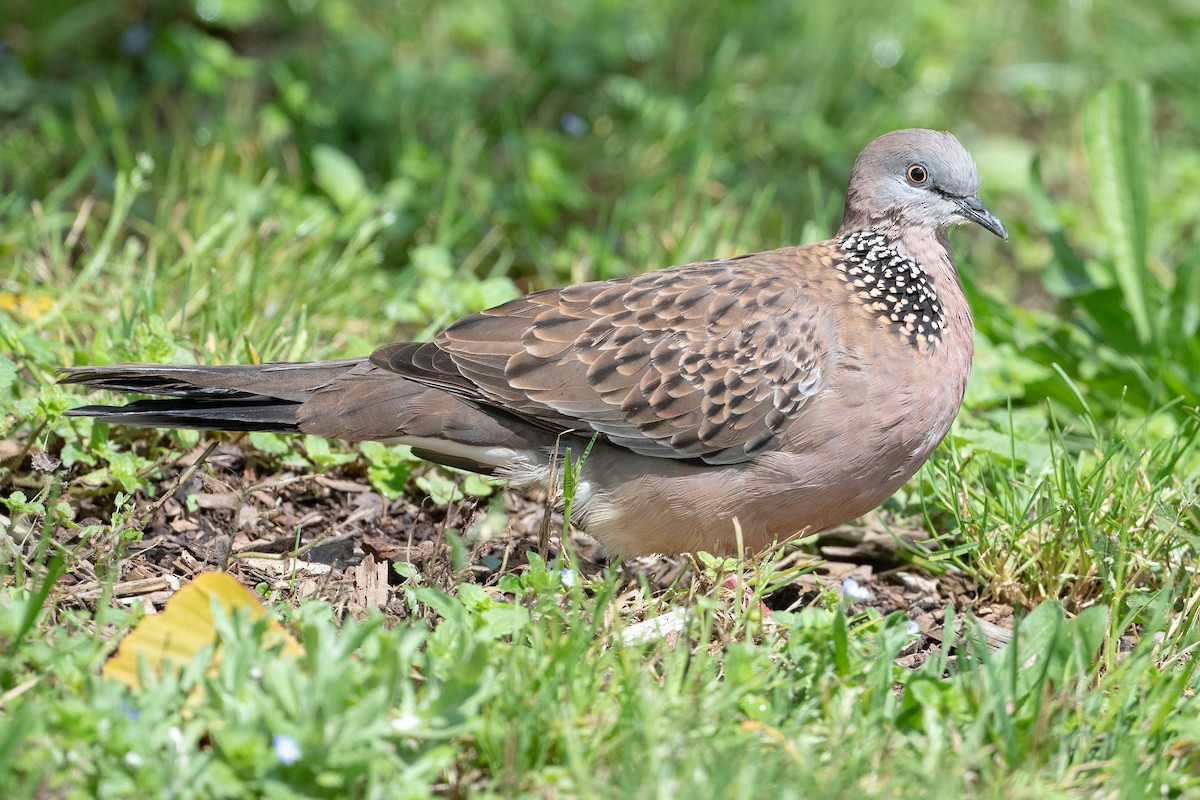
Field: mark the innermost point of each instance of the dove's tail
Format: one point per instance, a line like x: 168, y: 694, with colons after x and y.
x: 261, y: 397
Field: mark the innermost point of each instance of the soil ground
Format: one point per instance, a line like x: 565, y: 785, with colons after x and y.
x: 331, y: 535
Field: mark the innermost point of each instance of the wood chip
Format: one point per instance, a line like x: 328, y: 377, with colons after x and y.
x: 151, y: 603
x: 44, y: 462
x: 247, y: 517
x: 917, y: 583
x: 371, y: 583
x: 224, y: 500
x: 92, y: 589
x: 995, y: 636
x: 274, y: 544
x: 342, y: 486
x: 384, y: 549
x: 667, y: 626
x: 183, y: 525
x: 267, y: 499
x: 286, y: 568
x: 840, y: 570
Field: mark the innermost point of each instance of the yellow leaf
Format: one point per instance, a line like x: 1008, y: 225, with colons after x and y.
x: 31, y: 306
x: 185, y: 627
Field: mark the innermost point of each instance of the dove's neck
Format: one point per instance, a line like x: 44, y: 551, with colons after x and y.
x: 907, y: 276
x: 931, y: 250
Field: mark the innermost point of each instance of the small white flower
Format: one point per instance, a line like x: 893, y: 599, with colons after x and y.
x: 406, y: 723
x: 287, y: 749
x: 569, y: 577
x: 913, y: 628
x: 133, y: 759
x: 852, y: 589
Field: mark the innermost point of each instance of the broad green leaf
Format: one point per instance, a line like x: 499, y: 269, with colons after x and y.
x: 322, y: 454
x: 389, y: 467
x: 441, y: 488
x: 1117, y: 130
x: 270, y: 443
x: 339, y: 176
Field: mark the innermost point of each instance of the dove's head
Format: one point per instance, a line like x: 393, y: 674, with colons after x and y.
x: 916, y: 178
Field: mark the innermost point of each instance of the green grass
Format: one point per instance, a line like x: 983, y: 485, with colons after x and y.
x: 292, y: 180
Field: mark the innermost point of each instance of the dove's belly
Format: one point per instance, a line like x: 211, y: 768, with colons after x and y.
x: 861, y: 441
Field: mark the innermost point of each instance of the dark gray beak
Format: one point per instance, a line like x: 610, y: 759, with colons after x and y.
x: 973, y: 209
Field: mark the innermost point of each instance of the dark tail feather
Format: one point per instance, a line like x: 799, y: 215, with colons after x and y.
x: 245, y: 415
x: 231, y: 398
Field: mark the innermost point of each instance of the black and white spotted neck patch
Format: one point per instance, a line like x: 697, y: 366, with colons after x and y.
x: 892, y: 285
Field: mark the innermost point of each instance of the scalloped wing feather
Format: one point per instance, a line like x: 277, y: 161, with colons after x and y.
x: 708, y: 361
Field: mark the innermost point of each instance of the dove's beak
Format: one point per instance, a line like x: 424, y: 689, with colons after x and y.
x: 973, y: 209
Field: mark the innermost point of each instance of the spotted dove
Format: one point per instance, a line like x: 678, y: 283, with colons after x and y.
x: 786, y: 391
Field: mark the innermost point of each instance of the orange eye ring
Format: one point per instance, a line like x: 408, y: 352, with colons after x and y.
x: 917, y: 174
